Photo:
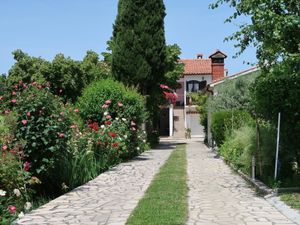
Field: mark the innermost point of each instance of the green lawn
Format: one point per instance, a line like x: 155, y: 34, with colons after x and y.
x: 165, y: 201
x: 292, y: 200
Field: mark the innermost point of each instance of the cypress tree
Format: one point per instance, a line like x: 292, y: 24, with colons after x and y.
x: 139, y: 48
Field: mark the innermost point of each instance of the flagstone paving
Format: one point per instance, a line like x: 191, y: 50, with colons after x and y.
x: 218, y: 196
x: 109, y: 199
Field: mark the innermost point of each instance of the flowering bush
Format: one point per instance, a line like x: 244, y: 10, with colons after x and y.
x: 42, y: 127
x: 104, y: 94
x: 100, y: 145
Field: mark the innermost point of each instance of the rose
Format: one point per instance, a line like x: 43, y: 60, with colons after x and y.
x: 4, y: 147
x: 17, y: 192
x: 107, y: 102
x: 112, y: 134
x: 108, y: 117
x: 104, y: 106
x: 13, y: 93
x: 76, y: 110
x: 120, y: 104
x: 12, y: 209
x: 26, y: 166
x: 61, y: 135
x: 116, y: 145
x: 62, y: 113
x: 24, y: 122
x: 28, y: 114
x: 107, y: 122
x: 13, y: 101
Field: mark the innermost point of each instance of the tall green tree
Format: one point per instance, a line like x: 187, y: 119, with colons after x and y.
x: 139, y: 48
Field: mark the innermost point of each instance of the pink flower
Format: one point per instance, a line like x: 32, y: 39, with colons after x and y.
x: 108, y: 117
x: 4, y: 147
x: 7, y: 111
x: 62, y: 113
x: 12, y: 209
x: 14, y: 93
x: 13, y: 151
x: 104, y: 106
x: 133, y: 123
x: 20, y: 82
x: 162, y: 86
x: 1, y: 98
x: 39, y: 86
x: 120, y: 104
x: 60, y: 91
x: 16, y: 87
x: 73, y: 126
x: 28, y: 114
x: 34, y: 83
x: 61, y: 135
x: 24, y: 122
x: 133, y: 128
x: 76, y: 110
x: 26, y: 166
x: 107, y: 102
x: 24, y: 86
x: 14, y: 101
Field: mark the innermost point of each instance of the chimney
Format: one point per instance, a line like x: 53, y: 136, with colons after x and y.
x: 199, y: 56
x: 217, y: 65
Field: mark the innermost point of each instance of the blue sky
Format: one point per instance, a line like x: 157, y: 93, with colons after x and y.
x: 47, y: 27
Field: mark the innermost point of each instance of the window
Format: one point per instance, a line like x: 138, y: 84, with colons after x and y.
x: 195, y: 86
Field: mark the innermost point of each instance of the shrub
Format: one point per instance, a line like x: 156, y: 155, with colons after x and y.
x: 44, y: 129
x: 100, y: 146
x: 224, y: 122
x: 95, y: 97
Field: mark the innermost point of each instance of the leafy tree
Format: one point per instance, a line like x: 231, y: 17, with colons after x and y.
x: 274, y: 28
x: 278, y: 91
x: 67, y: 77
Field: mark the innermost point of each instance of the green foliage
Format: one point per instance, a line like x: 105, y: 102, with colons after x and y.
x: 67, y: 77
x: 232, y: 94
x: 274, y: 28
x: 42, y: 125
x: 139, y: 49
x: 93, y: 101
x: 278, y: 91
x: 224, y: 122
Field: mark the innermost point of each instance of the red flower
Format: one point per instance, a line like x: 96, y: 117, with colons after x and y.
x: 99, y: 143
x: 13, y: 151
x: 112, y: 134
x: 61, y: 135
x: 108, y: 117
x: 14, y: 101
x: 26, y: 166
x: 28, y: 114
x: 1, y: 98
x: 107, y: 122
x: 116, y: 145
x: 76, y: 110
x: 12, y: 209
x: 4, y: 147
x: 24, y: 122
x: 94, y: 126
x: 120, y: 104
x: 104, y: 106
x: 107, y: 102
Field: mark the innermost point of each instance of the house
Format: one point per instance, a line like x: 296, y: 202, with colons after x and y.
x: 198, y: 73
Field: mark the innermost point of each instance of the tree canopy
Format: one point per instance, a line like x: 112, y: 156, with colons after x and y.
x: 274, y: 29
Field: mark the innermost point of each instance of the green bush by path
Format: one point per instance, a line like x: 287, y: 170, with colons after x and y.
x: 224, y: 122
x: 165, y: 201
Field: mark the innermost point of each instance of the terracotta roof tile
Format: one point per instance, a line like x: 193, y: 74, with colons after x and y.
x: 196, y: 66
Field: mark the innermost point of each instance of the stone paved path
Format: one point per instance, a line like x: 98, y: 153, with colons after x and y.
x: 217, y: 196
x: 107, y: 200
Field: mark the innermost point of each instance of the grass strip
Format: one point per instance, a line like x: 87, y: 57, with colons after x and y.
x: 291, y: 199
x: 165, y: 201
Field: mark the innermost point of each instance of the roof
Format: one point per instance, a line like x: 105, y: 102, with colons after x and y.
x: 234, y: 76
x: 218, y: 54
x: 196, y: 66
